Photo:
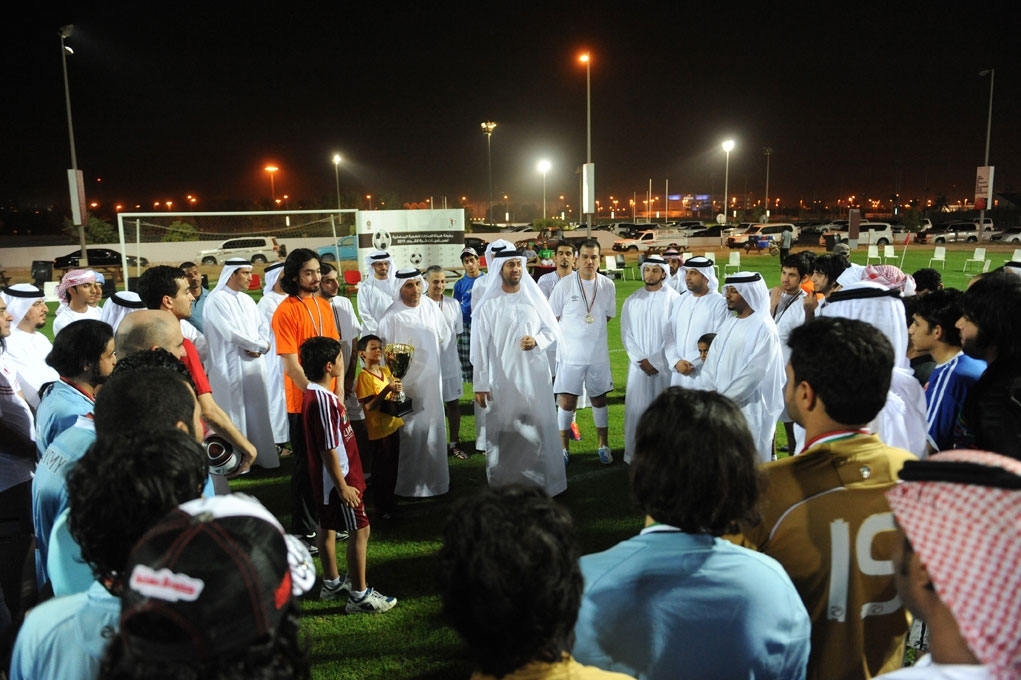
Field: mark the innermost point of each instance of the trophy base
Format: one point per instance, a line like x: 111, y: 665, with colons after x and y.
x: 397, y: 409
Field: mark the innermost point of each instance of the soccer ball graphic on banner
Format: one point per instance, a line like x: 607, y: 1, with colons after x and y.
x: 381, y: 240
x: 416, y: 259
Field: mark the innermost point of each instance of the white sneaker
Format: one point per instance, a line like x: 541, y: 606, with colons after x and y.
x: 342, y: 589
x: 372, y: 603
x: 567, y: 456
x: 605, y: 456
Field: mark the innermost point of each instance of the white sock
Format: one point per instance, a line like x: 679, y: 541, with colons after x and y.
x: 601, y: 416
x: 331, y: 582
x: 564, y: 419
x: 359, y: 594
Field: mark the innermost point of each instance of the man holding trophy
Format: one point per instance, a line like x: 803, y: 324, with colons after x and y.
x: 422, y: 469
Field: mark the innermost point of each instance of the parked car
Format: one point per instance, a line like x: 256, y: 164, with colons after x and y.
x: 476, y: 243
x: 651, y: 239
x: 869, y: 233
x: 951, y: 232
x: 1008, y: 235
x: 714, y: 231
x: 345, y: 249
x: 99, y: 257
x: 257, y: 249
x: 770, y: 232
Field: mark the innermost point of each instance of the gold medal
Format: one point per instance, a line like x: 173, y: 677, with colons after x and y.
x: 589, y: 318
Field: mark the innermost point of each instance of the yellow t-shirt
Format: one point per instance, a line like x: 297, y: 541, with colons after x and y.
x: 378, y: 424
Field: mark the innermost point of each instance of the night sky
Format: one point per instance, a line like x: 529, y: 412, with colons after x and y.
x: 198, y: 99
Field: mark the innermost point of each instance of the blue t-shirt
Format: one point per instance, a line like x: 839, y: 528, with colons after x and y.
x: 49, y: 486
x: 666, y: 604
x: 463, y: 294
x: 58, y: 411
x: 945, y: 392
x: 65, y: 637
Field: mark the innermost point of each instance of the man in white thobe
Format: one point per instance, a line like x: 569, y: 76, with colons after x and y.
x: 513, y: 327
x: 272, y: 295
x: 450, y: 362
x: 27, y: 347
x: 79, y: 292
x: 699, y: 311
x: 478, y: 290
x: 675, y: 278
x: 120, y: 304
x: 642, y: 330
x: 745, y: 362
x: 422, y: 470
x: 901, y: 422
x: 238, y: 341
x: 375, y: 292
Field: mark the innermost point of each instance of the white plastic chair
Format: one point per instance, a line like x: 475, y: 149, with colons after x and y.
x: 716, y: 267
x: 734, y: 262
x: 889, y: 253
x: 939, y: 256
x: 1016, y: 257
x: 978, y: 258
x: 611, y: 267
x: 873, y: 255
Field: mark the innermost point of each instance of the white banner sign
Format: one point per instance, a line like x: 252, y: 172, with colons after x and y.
x: 984, y: 187
x: 414, y: 238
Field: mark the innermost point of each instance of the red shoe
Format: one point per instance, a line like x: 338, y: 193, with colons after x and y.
x: 575, y: 432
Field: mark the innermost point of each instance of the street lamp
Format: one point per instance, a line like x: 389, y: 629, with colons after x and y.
x: 727, y: 147
x: 487, y: 130
x: 769, y: 152
x: 544, y: 166
x: 76, y: 193
x: 368, y: 197
x: 336, y: 175
x: 587, y: 60
x: 272, y: 169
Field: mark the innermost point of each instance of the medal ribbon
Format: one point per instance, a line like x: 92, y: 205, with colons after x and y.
x: 584, y: 297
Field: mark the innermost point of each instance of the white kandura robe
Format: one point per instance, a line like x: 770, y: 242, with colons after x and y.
x: 240, y: 386
x: 374, y: 297
x: 745, y: 363
x: 422, y: 470
x: 522, y: 437
x: 274, y: 370
x: 692, y: 317
x: 450, y: 361
x: 26, y: 354
x: 643, y: 326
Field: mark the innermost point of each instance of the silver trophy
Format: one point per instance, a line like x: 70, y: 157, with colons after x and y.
x: 398, y: 359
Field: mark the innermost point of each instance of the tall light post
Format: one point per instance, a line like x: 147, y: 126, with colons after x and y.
x: 76, y: 190
x: 989, y: 128
x: 272, y: 169
x: 769, y: 152
x: 728, y: 146
x: 336, y: 175
x: 544, y: 166
x: 587, y: 60
x: 487, y: 130
x: 368, y: 197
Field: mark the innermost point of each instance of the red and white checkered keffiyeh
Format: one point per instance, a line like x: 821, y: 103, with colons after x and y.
x: 891, y: 277
x: 75, y: 277
x: 969, y: 537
